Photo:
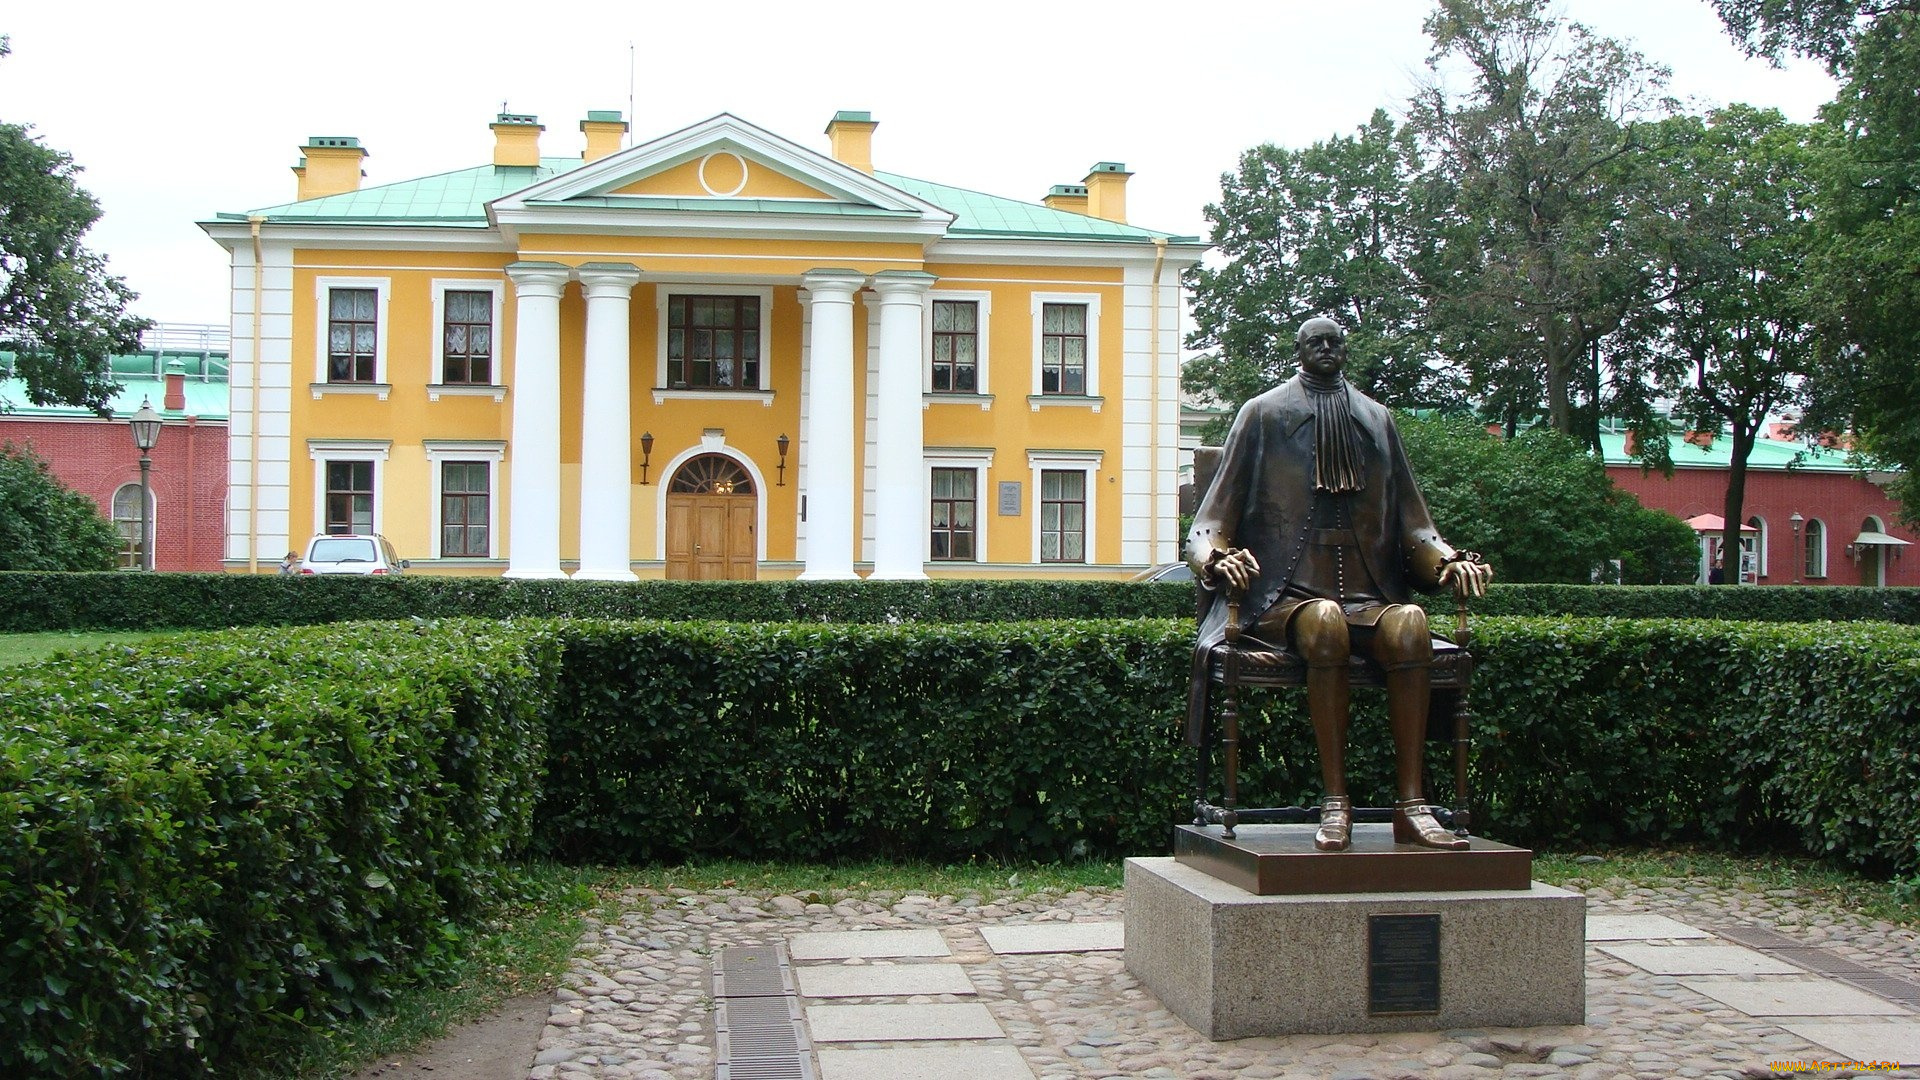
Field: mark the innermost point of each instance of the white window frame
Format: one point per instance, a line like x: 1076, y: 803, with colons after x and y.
x: 441, y: 451
x: 980, y: 461
x: 1759, y: 544
x: 383, y: 357
x: 1091, y: 301
x: 1818, y: 568
x: 323, y: 451
x: 663, y: 293
x: 141, y: 558
x: 983, y: 301
x: 1087, y: 461
x: 493, y: 388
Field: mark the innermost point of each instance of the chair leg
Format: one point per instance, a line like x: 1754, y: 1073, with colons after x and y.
x: 1462, y: 719
x: 1231, y: 744
x: 1201, y: 765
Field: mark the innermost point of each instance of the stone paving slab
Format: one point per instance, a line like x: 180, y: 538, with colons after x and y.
x: 867, y: 944
x: 884, y: 980
x: 1056, y: 937
x: 1700, y: 960
x: 1639, y: 928
x: 1865, y: 1042
x: 925, y: 1063
x: 1801, y: 997
x: 900, y: 1023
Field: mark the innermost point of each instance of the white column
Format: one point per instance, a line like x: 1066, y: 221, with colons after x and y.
x: 606, y: 427
x: 828, y: 448
x: 533, y: 483
x: 900, y: 487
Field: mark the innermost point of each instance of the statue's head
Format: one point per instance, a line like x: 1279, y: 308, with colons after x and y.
x: 1321, y: 348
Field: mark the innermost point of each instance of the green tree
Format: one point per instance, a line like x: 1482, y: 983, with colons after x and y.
x: 1541, y: 202
x: 1539, y: 507
x: 45, y: 525
x: 1864, y: 263
x: 60, y: 310
x: 1741, y: 333
x: 1320, y: 231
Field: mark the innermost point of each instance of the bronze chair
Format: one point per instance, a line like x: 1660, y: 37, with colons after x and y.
x: 1246, y: 661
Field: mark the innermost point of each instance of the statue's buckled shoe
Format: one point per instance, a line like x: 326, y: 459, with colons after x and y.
x: 1336, y: 824
x: 1413, y: 823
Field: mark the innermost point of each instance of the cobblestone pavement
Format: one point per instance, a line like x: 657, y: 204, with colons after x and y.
x: 637, y: 1002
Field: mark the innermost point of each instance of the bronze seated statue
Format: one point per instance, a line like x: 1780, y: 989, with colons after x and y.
x: 1310, y: 537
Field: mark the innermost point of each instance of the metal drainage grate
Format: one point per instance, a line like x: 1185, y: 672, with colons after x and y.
x: 1824, y: 962
x: 759, y: 1034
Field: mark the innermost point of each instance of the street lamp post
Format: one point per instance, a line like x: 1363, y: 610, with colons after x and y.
x: 1799, y: 553
x: 146, y: 431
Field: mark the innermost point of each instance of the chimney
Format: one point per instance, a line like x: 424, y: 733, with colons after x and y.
x: 516, y: 139
x: 851, y: 137
x: 1631, y: 444
x: 176, y: 398
x: 1107, y: 191
x: 605, y: 129
x: 1069, y: 197
x: 329, y: 165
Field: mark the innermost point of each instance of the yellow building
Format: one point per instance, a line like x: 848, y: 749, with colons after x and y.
x: 714, y: 354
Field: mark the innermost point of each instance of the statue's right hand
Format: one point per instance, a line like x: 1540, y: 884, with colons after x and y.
x: 1236, y: 566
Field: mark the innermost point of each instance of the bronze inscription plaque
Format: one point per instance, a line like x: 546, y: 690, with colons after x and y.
x: 1403, y: 964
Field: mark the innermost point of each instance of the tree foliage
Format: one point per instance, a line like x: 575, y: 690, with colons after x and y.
x: 1740, y: 339
x: 46, y: 526
x: 60, y: 310
x: 1323, y: 231
x: 1539, y: 507
x: 1542, y: 190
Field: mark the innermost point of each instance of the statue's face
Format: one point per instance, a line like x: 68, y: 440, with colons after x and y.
x: 1322, y: 349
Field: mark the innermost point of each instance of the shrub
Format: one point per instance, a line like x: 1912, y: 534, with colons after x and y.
x: 213, y: 837
x: 44, y: 525
x: 31, y: 602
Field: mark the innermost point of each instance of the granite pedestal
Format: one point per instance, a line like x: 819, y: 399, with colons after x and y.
x: 1235, y: 965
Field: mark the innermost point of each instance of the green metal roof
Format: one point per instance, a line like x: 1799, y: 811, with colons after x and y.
x: 1767, y: 454
x: 979, y: 214
x: 140, y: 379
x: 457, y: 198
x: 460, y: 198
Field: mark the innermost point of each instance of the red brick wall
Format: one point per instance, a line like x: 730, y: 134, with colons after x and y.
x: 1840, y: 500
x: 189, y: 477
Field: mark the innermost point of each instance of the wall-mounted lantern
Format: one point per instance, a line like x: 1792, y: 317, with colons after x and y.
x: 646, y: 453
x: 782, y: 442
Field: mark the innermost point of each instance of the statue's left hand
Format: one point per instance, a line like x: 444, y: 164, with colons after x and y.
x: 1469, y: 577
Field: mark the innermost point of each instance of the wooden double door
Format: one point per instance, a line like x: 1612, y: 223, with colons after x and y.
x: 712, y: 517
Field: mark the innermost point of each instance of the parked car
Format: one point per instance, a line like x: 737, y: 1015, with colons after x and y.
x: 364, y: 554
x: 1173, y: 571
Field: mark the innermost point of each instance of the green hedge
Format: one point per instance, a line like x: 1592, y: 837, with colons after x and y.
x: 216, y: 837
x: 213, y: 837
x: 31, y: 602
x: 1050, y: 740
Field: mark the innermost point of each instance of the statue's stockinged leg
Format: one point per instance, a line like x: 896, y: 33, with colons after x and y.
x: 1321, y: 638
x: 1405, y: 650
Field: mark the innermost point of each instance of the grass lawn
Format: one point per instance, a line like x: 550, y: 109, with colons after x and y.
x: 26, y: 648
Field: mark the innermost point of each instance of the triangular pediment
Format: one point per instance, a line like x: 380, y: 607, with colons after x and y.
x: 723, y: 164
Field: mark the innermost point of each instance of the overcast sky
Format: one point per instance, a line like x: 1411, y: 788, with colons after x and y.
x: 177, y: 111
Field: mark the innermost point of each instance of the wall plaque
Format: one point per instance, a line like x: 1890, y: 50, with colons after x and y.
x: 1403, y: 964
x: 1009, y: 498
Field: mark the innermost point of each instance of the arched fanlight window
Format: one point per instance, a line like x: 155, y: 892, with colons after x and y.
x: 126, y: 518
x: 712, y: 474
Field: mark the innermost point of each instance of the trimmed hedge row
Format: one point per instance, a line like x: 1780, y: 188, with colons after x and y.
x: 1051, y: 740
x: 212, y: 838
x: 47, y: 601
x: 208, y: 839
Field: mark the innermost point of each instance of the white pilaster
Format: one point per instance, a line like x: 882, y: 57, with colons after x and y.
x: 829, y: 446
x: 900, y: 488
x: 606, y: 428
x: 533, y: 485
